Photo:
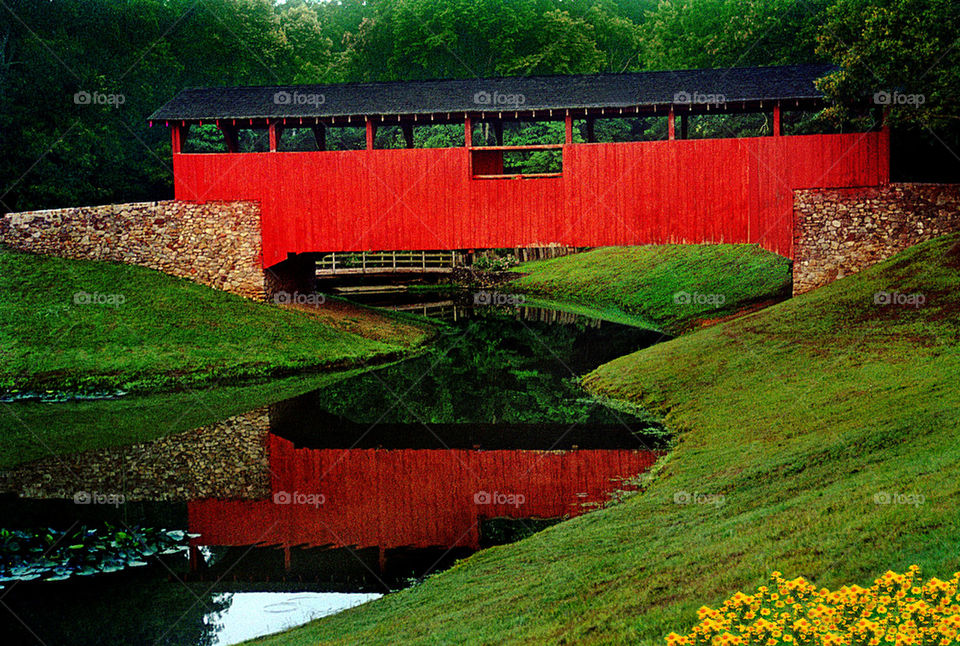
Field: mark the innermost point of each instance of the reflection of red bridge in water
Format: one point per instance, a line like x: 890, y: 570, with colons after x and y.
x: 411, y: 497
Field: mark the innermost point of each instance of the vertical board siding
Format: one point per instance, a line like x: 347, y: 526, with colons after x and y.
x: 693, y: 191
x: 410, y: 497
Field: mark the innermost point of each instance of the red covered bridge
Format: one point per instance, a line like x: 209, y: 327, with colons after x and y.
x: 466, y: 195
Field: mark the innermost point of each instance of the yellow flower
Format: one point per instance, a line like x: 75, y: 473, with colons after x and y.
x: 899, y: 608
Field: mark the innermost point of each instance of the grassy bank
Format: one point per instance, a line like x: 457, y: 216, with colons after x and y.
x: 34, y: 430
x: 644, y: 281
x: 809, y: 430
x: 152, y: 331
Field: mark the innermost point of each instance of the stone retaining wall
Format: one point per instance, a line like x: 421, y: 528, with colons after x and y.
x: 838, y: 232
x: 216, y: 243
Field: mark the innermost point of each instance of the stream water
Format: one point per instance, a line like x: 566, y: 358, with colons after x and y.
x: 316, y: 503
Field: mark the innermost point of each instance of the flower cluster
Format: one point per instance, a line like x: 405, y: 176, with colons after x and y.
x: 898, y: 609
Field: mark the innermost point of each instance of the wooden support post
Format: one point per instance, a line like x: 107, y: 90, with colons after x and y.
x: 274, y: 136
x: 407, y: 129
x: 684, y: 119
x: 776, y: 120
x: 591, y: 134
x: 231, y: 138
x: 371, y: 131
x: 671, y: 126
x: 467, y: 131
x: 320, y: 136
x: 568, y: 127
x: 197, y: 561
x: 498, y: 132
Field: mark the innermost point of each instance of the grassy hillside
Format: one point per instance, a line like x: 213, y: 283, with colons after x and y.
x: 808, y: 432
x: 155, y: 331
x: 644, y: 281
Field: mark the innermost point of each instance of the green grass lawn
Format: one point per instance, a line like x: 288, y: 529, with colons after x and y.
x: 799, y: 416
x: 643, y: 281
x: 157, y: 331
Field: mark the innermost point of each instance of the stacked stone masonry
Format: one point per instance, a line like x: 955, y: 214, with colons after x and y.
x: 227, y: 459
x: 216, y: 243
x: 838, y: 232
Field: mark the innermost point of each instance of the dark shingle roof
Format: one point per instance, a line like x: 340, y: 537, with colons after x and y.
x: 491, y: 94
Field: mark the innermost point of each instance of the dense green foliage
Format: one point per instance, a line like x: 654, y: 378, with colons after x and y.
x: 136, y: 54
x: 156, y: 331
x: 651, y: 281
x: 815, y: 419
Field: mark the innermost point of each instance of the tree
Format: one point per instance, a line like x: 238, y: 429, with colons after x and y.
x: 898, y: 54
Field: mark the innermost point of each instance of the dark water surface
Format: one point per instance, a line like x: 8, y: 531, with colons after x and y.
x: 317, y: 503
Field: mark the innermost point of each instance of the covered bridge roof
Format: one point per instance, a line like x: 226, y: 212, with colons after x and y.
x: 691, y: 88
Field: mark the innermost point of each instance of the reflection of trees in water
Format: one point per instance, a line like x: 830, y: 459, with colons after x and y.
x: 146, y: 611
x: 221, y: 602
x: 490, y: 370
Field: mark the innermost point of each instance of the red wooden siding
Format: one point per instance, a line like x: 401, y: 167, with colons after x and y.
x: 709, y: 190
x: 410, y: 498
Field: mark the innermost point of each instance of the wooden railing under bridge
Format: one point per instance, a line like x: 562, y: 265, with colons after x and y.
x: 424, y: 262
x: 385, y: 262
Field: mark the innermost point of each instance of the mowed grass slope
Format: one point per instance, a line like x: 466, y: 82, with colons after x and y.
x: 643, y: 281
x: 158, y: 331
x: 806, y: 417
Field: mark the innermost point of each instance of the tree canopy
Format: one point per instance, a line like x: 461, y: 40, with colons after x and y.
x: 79, y: 77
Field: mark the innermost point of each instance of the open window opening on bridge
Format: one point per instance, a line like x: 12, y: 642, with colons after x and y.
x: 307, y: 139
x: 413, y: 135
x: 620, y: 129
x: 512, y: 162
x: 800, y: 122
x: 512, y: 149
x: 725, y: 126
x: 209, y: 138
